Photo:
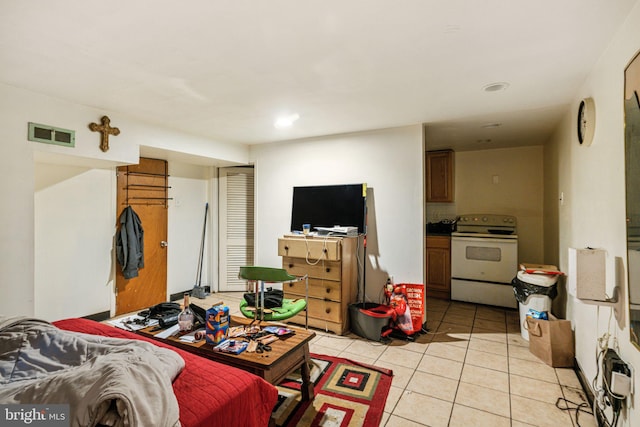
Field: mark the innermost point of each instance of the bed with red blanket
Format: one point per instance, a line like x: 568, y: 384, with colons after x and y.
x: 208, y: 393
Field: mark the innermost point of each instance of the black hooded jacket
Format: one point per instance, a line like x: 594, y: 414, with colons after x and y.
x: 130, y: 243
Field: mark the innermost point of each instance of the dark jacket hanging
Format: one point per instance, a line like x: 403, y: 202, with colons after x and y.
x: 130, y: 243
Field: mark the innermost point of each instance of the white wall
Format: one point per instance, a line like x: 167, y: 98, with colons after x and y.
x: 74, y: 229
x: 389, y: 161
x: 80, y: 186
x: 518, y: 192
x: 593, y: 211
x: 16, y: 210
x: 190, y: 189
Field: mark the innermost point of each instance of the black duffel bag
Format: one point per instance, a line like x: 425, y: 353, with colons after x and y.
x: 272, y: 298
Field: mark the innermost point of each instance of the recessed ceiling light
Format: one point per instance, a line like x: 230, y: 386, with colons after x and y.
x: 496, y: 87
x: 492, y: 125
x: 286, y: 121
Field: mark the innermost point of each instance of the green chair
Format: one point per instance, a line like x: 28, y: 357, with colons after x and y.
x: 290, y: 307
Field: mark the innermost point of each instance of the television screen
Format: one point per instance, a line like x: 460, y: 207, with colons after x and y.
x: 329, y: 205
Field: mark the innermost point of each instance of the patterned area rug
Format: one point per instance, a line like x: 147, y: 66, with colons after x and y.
x: 347, y: 393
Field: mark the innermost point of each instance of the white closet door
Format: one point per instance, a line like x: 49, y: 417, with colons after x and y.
x: 236, y: 225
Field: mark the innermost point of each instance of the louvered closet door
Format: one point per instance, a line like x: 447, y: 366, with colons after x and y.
x: 236, y: 225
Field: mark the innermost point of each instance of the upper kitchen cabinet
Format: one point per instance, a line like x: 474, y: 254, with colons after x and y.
x: 440, y: 176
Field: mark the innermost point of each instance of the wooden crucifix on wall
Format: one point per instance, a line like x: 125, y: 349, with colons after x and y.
x: 105, y: 129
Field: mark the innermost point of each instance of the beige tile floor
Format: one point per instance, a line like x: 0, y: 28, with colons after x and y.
x: 473, y: 368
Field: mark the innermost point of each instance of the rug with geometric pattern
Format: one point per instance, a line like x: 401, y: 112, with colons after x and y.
x: 347, y: 394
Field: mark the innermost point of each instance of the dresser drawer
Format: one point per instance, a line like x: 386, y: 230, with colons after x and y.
x: 328, y: 270
x: 310, y: 248
x: 325, y: 289
x: 338, y: 328
x: 325, y: 310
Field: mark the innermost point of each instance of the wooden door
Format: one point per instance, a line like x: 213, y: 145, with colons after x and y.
x: 144, y: 188
x: 236, y: 225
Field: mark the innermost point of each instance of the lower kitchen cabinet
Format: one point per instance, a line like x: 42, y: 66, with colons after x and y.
x: 438, y: 264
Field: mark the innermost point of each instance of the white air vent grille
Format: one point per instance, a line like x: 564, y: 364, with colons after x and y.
x: 52, y: 135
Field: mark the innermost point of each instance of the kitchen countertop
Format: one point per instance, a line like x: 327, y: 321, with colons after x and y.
x: 432, y: 234
x: 439, y: 228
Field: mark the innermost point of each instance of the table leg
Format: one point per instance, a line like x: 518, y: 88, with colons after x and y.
x: 305, y: 372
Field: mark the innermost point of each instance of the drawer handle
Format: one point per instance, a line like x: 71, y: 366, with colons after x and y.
x: 328, y: 269
x: 286, y: 248
x: 290, y: 265
x: 291, y: 285
x: 328, y: 290
x: 327, y: 310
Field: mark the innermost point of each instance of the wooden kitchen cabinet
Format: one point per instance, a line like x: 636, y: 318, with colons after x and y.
x: 330, y: 263
x: 440, y: 176
x: 439, y: 267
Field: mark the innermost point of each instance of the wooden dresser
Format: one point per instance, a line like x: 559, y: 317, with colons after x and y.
x: 330, y: 263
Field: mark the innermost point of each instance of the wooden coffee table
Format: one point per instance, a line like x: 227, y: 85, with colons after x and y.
x: 289, y: 353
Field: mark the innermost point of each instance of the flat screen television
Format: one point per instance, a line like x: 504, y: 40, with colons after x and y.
x: 329, y: 205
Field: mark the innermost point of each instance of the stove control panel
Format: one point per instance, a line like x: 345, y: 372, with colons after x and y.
x: 487, y: 223
x: 487, y: 220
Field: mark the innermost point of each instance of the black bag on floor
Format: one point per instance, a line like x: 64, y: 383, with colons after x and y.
x: 272, y: 298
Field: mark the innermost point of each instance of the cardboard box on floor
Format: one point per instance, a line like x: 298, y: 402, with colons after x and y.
x: 552, y: 341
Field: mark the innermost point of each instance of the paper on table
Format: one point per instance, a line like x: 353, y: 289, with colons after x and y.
x: 132, y: 323
x: 168, y: 332
x: 191, y: 336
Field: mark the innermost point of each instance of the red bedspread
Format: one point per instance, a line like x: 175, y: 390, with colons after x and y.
x: 209, y: 393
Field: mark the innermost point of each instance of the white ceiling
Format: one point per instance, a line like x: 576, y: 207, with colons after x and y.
x: 226, y: 69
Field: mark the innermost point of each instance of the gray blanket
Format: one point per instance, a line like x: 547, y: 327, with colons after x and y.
x: 106, y: 381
